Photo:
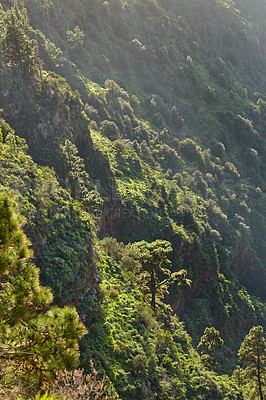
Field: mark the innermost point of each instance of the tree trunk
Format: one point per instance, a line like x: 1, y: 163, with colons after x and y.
x: 259, y: 377
x: 153, y: 291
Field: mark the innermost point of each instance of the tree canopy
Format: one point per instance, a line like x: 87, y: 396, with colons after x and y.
x: 35, y: 338
x: 156, y: 265
x: 208, y: 346
x: 17, y: 47
x: 252, y: 355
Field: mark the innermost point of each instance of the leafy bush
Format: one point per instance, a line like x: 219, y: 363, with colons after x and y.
x: 120, y: 146
x: 110, y: 130
x: 191, y: 151
x: 76, y: 37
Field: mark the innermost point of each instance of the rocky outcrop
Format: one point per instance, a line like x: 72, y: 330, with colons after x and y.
x: 248, y: 268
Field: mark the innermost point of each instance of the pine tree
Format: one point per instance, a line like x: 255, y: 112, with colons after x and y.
x: 209, y: 344
x: 17, y: 47
x: 35, y: 339
x: 1, y: 23
x: 252, y: 355
x: 154, y: 260
x: 73, y: 171
x: 76, y: 179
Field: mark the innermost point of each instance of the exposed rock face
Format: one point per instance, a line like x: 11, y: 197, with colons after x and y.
x: 249, y: 270
x: 203, y: 273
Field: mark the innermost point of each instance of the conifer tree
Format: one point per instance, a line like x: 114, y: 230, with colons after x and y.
x: 252, y: 355
x: 73, y: 170
x: 76, y: 179
x: 209, y: 344
x: 154, y: 260
x: 17, y: 47
x: 1, y: 23
x: 35, y: 339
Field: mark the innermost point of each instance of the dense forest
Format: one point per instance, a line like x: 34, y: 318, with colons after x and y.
x: 132, y: 199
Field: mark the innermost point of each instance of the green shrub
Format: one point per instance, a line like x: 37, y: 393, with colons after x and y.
x: 120, y: 147
x: 110, y: 130
x: 190, y: 150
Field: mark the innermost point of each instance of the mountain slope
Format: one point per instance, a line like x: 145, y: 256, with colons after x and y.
x: 156, y: 132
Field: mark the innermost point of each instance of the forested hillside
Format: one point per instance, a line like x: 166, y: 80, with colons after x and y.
x: 132, y: 141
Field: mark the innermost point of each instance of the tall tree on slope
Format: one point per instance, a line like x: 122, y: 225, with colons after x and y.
x: 252, y: 355
x: 35, y: 339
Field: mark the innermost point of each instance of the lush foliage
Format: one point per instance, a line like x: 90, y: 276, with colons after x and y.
x: 209, y: 343
x: 36, y: 339
x: 154, y: 261
x: 144, y: 356
x: 146, y: 124
x: 252, y: 355
x: 18, y: 49
x: 61, y: 231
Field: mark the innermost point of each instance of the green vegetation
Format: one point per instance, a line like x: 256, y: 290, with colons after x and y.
x: 18, y: 49
x: 36, y: 340
x: 144, y: 356
x: 252, y: 355
x: 132, y: 142
x: 61, y: 230
x: 154, y: 262
x: 209, y: 343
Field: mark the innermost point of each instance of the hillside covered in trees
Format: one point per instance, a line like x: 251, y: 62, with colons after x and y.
x: 132, y: 196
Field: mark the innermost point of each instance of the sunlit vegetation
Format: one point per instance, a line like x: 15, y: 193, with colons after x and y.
x: 132, y: 156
